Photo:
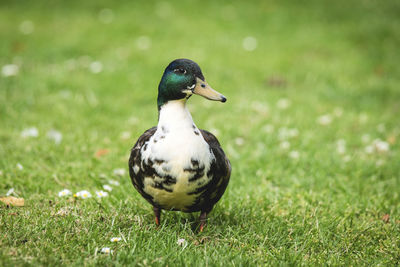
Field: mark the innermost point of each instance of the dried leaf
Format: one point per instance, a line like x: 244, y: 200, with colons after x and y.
x: 277, y: 81
x: 63, y: 212
x: 391, y: 139
x: 386, y: 218
x: 13, y: 201
x: 101, y: 152
x: 379, y: 70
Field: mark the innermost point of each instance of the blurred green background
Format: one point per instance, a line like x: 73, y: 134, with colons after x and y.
x: 311, y: 127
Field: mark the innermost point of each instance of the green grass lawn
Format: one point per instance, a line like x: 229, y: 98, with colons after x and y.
x: 311, y: 126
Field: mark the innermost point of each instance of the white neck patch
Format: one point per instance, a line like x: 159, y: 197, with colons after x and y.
x: 174, y: 114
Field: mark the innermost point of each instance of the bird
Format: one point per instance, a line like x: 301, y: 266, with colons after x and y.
x: 175, y: 165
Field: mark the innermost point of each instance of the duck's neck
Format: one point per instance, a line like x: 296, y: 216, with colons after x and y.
x: 174, y: 114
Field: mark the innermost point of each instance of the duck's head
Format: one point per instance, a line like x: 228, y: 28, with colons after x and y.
x: 181, y: 79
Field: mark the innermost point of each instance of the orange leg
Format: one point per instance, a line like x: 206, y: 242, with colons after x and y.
x: 203, y: 220
x: 157, y: 215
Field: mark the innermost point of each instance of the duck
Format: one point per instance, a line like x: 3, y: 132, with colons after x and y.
x: 176, y: 166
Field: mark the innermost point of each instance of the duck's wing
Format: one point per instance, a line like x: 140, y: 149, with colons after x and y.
x: 135, y: 162
x: 220, y: 170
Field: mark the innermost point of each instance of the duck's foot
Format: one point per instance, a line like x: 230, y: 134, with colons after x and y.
x: 203, y: 220
x: 157, y: 215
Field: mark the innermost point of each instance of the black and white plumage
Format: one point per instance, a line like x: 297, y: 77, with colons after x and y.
x: 175, y: 165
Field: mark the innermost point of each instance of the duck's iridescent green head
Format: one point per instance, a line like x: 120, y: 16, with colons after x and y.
x: 181, y: 79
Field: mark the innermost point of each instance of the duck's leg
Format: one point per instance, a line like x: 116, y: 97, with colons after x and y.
x: 203, y: 219
x: 157, y: 215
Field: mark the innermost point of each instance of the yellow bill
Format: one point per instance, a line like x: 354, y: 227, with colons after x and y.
x: 202, y: 88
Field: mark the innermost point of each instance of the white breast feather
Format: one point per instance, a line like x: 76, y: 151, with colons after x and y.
x: 176, y: 144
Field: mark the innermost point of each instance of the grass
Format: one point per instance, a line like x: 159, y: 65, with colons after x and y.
x: 325, y: 207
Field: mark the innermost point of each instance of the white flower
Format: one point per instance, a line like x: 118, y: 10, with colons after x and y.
x: 341, y: 142
x: 363, y: 118
x: 239, y: 141
x: 9, y: 70
x: 260, y: 107
x: 27, y: 27
x: 293, y: 132
x: 377, y: 146
x: 341, y: 149
x: 96, y: 67
x: 249, y: 43
x: 182, y: 242
x: 10, y: 191
x: 113, y: 182
x: 143, y: 42
x: 324, y: 119
x: 365, y: 138
x: 381, y: 146
x: 369, y: 149
x: 19, y: 166
x: 106, y: 251
x: 269, y: 128
x: 283, y: 103
x: 294, y: 154
x: 283, y: 133
x: 133, y: 120
x: 107, y: 187
x: 341, y: 146
x: 54, y: 135
x: 64, y: 193
x: 125, y: 135
x: 119, y: 172
x: 83, y: 194
x: 101, y: 194
x: 115, y: 239
x: 285, y: 145
x: 30, y: 132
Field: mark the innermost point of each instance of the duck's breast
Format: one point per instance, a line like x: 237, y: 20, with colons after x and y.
x: 179, y: 160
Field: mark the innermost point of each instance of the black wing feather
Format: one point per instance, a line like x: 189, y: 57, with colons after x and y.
x: 135, y: 160
x: 220, y: 171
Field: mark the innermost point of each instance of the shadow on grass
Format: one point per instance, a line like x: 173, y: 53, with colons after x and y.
x: 218, y: 220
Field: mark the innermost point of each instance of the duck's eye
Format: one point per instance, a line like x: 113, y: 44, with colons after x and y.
x: 180, y: 71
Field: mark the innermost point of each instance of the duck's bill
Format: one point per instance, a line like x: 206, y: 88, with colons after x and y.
x: 202, y: 88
